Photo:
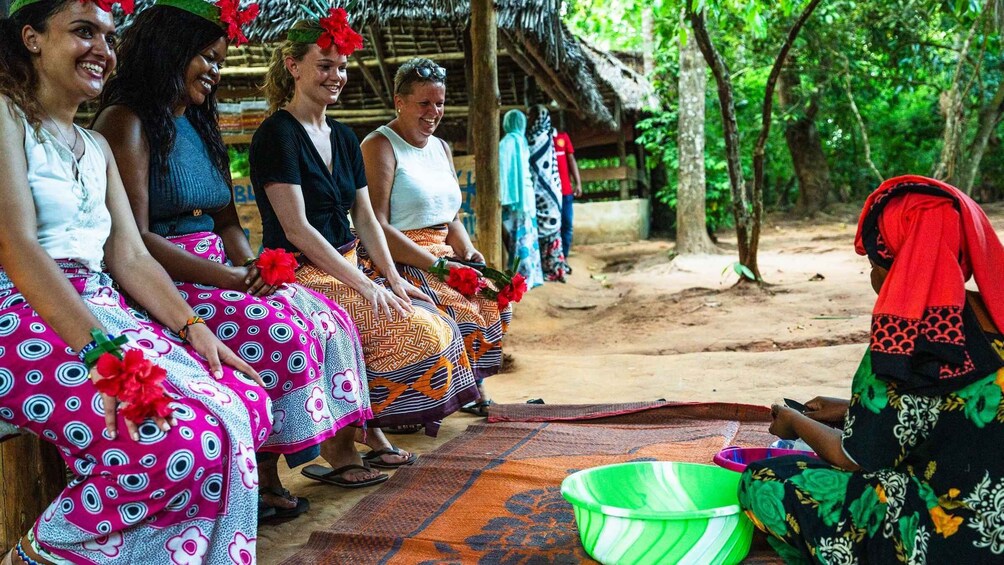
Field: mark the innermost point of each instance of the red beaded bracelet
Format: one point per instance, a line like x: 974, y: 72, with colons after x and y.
x: 183, y: 332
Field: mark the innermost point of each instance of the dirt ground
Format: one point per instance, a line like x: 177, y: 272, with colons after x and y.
x: 634, y: 323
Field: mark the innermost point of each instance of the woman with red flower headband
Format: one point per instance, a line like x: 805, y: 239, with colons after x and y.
x: 304, y: 345
x: 160, y: 443
x: 308, y: 177
x: 417, y: 201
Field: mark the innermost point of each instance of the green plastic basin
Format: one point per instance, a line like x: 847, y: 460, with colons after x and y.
x: 659, y: 512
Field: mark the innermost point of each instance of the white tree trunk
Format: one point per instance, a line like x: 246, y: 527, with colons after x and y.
x: 691, y: 225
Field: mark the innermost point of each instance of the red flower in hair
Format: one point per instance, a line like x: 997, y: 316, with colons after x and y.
x: 338, y: 33
x: 127, y: 5
x: 234, y: 19
x: 277, y: 266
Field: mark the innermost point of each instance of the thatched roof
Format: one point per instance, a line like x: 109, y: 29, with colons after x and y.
x: 537, y: 52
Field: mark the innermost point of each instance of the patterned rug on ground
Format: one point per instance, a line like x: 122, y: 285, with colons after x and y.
x: 491, y: 495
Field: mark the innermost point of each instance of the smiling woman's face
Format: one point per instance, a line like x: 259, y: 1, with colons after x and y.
x: 76, y: 54
x: 203, y: 72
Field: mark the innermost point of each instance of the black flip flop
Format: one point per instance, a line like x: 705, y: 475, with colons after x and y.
x: 374, y: 458
x: 403, y: 429
x: 479, y: 408
x: 279, y: 513
x: 334, y: 476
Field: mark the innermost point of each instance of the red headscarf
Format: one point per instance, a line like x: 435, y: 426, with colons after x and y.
x: 932, y: 238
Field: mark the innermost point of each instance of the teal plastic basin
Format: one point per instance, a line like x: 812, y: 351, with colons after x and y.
x: 659, y: 512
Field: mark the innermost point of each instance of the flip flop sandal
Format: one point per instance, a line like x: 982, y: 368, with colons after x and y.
x: 334, y: 476
x: 278, y: 512
x: 403, y: 429
x: 479, y: 408
x: 265, y: 512
x: 374, y: 458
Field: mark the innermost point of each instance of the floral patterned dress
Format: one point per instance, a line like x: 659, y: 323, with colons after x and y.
x: 931, y: 488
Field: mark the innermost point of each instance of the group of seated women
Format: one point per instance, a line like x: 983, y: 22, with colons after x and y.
x: 124, y: 243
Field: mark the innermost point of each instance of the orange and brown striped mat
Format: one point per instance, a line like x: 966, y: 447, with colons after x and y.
x: 491, y: 495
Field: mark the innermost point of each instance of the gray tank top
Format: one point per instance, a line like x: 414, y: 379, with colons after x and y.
x: 182, y: 200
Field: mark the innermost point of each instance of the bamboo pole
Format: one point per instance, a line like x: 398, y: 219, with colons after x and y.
x: 485, y: 130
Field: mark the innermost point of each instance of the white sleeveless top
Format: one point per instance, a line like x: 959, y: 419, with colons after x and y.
x: 72, y: 219
x: 425, y: 191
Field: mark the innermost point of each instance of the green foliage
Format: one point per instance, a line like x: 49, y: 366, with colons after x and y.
x: 900, y: 57
x: 240, y: 167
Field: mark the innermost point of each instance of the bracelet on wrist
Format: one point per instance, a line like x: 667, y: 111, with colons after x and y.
x: 183, y: 332
x: 101, y: 344
x: 250, y: 261
x: 440, y: 263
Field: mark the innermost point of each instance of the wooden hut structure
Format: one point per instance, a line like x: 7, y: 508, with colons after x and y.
x: 597, y: 97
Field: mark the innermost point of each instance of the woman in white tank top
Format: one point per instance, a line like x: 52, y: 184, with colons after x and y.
x: 416, y: 198
x: 135, y: 496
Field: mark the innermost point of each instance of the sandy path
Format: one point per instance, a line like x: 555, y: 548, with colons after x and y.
x: 633, y: 324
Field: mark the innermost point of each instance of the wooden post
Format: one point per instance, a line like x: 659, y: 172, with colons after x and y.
x: 622, y: 147
x: 32, y: 474
x: 485, y: 104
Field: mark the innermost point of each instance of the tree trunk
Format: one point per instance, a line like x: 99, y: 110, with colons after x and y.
x: 746, y: 208
x: 804, y: 146
x: 691, y: 219
x: 811, y: 168
x: 648, y: 41
x: 742, y: 210
x: 951, y: 103
x: 990, y: 116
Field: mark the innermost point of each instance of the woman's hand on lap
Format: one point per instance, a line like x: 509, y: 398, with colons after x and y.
x: 111, y: 404
x: 216, y: 353
x: 407, y: 291
x: 255, y: 285
x: 386, y: 301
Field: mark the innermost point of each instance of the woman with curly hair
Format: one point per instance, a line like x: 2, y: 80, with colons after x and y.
x: 913, y: 476
x: 159, y: 113
x: 148, y: 485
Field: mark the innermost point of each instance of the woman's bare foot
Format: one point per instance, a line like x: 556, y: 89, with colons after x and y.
x: 377, y: 441
x: 340, y: 451
x: 269, y: 482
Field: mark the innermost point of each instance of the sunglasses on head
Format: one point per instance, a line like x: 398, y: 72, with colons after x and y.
x: 431, y: 72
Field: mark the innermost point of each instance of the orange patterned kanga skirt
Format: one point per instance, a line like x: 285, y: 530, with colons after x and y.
x: 417, y: 367
x: 481, y: 322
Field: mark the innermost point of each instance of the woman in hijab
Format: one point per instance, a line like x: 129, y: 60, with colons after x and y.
x: 547, y: 191
x: 913, y: 477
x: 519, y: 209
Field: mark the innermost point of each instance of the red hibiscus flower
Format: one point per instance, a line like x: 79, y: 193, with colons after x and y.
x: 337, y: 32
x: 136, y: 382
x: 277, y: 266
x: 234, y: 19
x: 465, y: 280
x: 512, y: 292
x: 127, y: 5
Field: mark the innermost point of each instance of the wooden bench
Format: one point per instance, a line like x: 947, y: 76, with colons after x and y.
x: 32, y: 474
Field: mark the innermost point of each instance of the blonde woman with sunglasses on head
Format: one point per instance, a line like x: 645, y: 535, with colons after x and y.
x: 417, y: 201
